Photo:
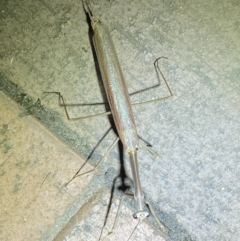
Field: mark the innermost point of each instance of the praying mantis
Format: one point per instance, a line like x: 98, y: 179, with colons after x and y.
x: 121, y: 109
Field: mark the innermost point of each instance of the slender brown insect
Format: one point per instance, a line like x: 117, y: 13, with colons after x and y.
x: 121, y: 109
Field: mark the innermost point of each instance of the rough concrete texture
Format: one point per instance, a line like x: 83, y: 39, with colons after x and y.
x: 35, y: 166
x: 195, y: 187
x: 86, y: 224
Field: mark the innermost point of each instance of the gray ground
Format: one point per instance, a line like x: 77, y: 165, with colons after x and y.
x: 195, y: 186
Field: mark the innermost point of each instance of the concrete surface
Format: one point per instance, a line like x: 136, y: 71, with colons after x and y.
x: 195, y: 188
x: 34, y: 169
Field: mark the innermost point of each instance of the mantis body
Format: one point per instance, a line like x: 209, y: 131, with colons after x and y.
x: 119, y: 102
x: 121, y: 107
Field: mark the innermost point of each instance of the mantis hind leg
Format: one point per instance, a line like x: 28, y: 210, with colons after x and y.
x: 159, y: 73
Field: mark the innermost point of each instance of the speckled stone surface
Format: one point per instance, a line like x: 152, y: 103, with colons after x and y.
x: 195, y: 187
